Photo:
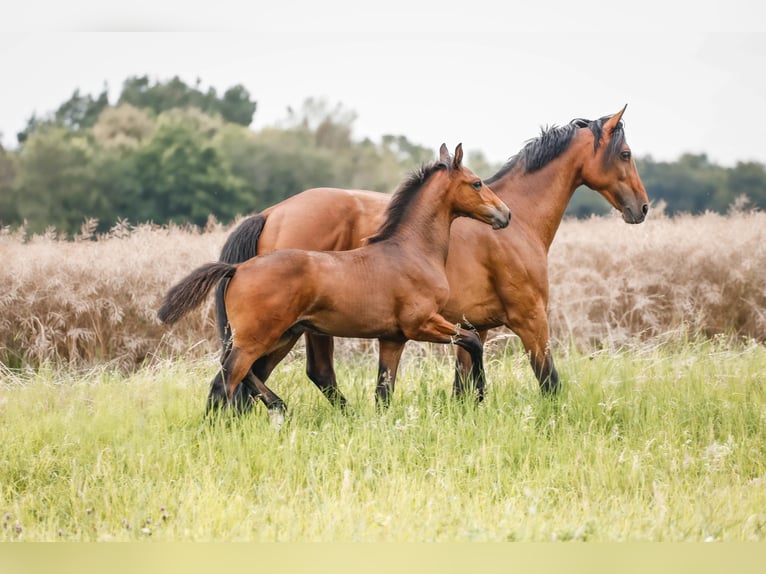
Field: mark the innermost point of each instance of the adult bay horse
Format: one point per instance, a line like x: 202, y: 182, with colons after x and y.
x: 391, y: 289
x: 496, y: 279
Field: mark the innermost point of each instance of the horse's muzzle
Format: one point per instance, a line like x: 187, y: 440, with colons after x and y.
x: 634, y: 215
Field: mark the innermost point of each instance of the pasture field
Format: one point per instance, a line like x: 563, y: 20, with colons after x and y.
x: 652, y: 442
x: 658, y: 333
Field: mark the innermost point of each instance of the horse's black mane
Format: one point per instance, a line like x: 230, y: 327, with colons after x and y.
x: 403, y: 199
x: 554, y: 140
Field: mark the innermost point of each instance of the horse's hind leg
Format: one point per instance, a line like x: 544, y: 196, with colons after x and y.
x: 319, y: 367
x: 467, y: 374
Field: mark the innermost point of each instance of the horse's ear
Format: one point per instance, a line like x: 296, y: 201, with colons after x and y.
x: 614, y: 121
x: 444, y: 154
x: 458, y: 159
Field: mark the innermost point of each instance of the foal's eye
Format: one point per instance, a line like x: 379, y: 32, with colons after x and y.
x: 625, y: 155
x: 477, y: 185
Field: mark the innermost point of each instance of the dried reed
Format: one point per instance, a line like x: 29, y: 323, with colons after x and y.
x: 93, y: 300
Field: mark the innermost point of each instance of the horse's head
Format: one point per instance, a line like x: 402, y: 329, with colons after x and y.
x: 470, y: 196
x: 611, y: 171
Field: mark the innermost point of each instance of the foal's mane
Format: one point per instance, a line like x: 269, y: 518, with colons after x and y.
x: 554, y: 140
x: 403, y: 198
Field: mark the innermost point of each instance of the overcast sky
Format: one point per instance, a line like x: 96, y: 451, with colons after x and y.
x: 489, y: 74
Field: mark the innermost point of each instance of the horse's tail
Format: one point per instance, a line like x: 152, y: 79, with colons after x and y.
x: 241, y: 245
x: 192, y: 290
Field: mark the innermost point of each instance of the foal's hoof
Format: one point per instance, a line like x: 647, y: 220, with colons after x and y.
x: 277, y: 415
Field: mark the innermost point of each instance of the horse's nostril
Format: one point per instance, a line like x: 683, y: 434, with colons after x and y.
x: 645, y: 208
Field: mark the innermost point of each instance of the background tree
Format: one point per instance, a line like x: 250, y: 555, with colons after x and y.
x: 182, y: 176
x: 77, y: 113
x: 169, y: 151
x: 54, y: 184
x: 8, y: 209
x: 235, y: 106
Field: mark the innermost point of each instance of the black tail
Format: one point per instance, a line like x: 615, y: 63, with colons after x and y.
x: 241, y: 245
x: 192, y: 290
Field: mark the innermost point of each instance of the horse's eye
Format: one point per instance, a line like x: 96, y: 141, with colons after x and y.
x: 625, y: 155
x: 477, y: 185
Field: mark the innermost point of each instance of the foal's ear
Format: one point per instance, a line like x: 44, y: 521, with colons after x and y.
x: 614, y: 121
x: 458, y: 159
x: 444, y: 155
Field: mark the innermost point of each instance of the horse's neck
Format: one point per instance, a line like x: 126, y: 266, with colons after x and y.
x: 539, y: 199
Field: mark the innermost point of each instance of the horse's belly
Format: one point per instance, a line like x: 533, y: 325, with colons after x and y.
x: 482, y: 315
x: 355, y: 322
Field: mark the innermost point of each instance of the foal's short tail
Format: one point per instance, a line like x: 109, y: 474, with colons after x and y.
x: 192, y: 290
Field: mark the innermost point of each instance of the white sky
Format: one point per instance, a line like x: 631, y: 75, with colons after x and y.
x: 489, y: 74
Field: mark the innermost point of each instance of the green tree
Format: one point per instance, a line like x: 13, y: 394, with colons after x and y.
x: 748, y: 179
x: 80, y: 111
x: 124, y: 126
x: 9, y: 214
x: 55, y: 184
x: 411, y: 155
x: 235, y: 106
x: 182, y: 176
x: 688, y: 185
x: 282, y: 164
x: 586, y: 202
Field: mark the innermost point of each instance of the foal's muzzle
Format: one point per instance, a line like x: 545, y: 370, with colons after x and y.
x: 501, y: 217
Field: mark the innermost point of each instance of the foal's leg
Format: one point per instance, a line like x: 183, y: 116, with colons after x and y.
x: 438, y: 330
x: 463, y: 370
x: 242, y: 401
x: 249, y: 391
x: 388, y: 364
x: 319, y: 367
x: 237, y: 365
x: 253, y: 386
x: 216, y: 398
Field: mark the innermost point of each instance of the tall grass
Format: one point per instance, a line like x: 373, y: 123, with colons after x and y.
x: 662, y: 443
x: 94, y: 300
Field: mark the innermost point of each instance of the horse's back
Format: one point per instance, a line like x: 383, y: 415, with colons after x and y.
x: 323, y: 219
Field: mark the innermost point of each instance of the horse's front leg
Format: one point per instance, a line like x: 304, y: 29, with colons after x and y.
x: 438, y: 330
x: 463, y: 372
x: 388, y: 364
x: 535, y: 337
x: 319, y: 367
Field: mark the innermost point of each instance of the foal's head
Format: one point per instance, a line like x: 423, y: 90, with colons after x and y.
x: 611, y: 169
x: 469, y: 195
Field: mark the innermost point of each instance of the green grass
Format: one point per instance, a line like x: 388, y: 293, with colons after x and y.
x: 660, y: 444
